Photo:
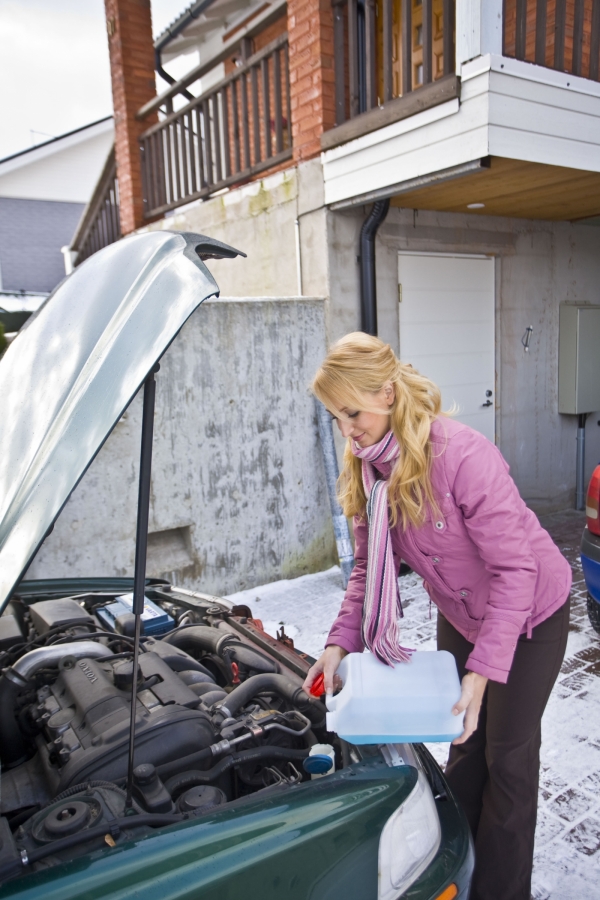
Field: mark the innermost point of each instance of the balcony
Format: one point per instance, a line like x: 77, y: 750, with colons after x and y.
x: 477, y: 106
x: 392, y: 59
x: 237, y: 129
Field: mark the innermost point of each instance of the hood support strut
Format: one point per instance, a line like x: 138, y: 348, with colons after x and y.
x: 141, y: 547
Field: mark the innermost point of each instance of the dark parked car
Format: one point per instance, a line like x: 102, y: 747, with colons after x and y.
x: 590, y: 549
x: 200, y: 789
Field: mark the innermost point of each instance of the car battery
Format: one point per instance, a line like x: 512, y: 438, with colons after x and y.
x: 155, y: 620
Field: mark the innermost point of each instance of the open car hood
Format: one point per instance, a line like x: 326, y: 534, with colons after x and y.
x: 75, y: 367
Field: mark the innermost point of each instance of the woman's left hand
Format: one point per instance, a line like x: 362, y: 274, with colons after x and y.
x: 473, y: 689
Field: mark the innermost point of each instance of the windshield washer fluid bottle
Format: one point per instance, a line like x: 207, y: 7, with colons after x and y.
x: 407, y: 703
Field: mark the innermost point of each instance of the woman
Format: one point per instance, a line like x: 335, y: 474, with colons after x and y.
x: 436, y: 493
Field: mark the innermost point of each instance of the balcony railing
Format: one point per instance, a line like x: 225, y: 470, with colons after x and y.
x: 100, y: 224
x: 385, y: 49
x: 557, y: 34
x: 238, y: 128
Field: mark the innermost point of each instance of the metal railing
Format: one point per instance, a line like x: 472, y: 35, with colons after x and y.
x: 100, y: 223
x: 387, y: 48
x: 557, y: 34
x: 238, y: 128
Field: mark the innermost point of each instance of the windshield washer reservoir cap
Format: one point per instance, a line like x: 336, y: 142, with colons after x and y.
x: 317, y: 764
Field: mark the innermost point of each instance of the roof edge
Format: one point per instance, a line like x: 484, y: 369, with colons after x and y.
x: 53, y: 140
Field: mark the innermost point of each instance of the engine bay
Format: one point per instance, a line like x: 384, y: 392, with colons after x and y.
x: 220, y: 715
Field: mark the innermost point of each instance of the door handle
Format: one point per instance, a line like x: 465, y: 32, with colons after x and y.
x: 487, y: 403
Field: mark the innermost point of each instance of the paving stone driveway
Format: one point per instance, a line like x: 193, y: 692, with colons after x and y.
x: 567, y: 849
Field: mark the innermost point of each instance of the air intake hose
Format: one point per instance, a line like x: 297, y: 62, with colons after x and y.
x: 281, y: 685
x: 224, y: 644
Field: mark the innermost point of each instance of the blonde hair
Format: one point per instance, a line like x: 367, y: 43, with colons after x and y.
x: 355, y: 367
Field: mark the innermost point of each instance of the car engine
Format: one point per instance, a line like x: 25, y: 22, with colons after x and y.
x: 220, y: 714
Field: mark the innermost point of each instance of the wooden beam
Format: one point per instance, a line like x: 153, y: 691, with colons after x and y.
x: 426, y: 97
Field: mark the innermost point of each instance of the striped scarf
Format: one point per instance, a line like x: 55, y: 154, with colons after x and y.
x: 382, y: 607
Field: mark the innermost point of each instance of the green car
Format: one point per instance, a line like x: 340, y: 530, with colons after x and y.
x: 208, y: 786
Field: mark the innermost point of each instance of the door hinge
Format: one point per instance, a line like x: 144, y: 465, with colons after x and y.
x: 399, y: 293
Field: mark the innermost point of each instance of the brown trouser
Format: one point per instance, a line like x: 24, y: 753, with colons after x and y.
x: 495, y: 773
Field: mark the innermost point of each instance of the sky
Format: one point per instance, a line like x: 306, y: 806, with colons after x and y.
x: 54, y: 71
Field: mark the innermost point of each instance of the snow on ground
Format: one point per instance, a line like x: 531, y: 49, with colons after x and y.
x: 567, y: 850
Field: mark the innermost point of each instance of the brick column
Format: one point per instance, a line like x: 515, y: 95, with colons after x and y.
x: 131, y: 49
x: 312, y: 83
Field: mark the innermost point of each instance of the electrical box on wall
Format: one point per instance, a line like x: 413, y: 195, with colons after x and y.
x: 579, y: 359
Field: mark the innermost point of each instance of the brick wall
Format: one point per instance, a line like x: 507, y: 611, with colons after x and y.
x: 129, y: 28
x: 312, y: 83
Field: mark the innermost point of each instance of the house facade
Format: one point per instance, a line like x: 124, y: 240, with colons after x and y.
x: 429, y: 168
x: 43, y: 192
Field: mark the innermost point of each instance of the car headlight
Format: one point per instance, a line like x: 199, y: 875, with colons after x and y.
x: 409, y: 841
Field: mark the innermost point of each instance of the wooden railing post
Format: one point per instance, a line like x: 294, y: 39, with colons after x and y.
x: 353, y: 58
x: 388, y: 48
x: 406, y: 46
x: 427, y: 6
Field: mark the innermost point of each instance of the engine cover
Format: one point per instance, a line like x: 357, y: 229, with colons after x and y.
x: 85, y: 719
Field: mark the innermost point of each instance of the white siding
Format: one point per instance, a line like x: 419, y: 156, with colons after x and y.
x: 508, y: 108
x: 65, y: 170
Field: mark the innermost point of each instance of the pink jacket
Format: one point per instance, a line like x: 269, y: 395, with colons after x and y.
x: 488, y: 565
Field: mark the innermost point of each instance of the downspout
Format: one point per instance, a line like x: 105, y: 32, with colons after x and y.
x: 193, y: 12
x: 368, y: 287
x: 165, y: 75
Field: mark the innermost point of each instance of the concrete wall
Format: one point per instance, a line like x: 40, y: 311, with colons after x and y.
x: 238, y: 488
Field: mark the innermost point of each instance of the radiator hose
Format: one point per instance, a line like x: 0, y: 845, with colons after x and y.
x: 281, y: 685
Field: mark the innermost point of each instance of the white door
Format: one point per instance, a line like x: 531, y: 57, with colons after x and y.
x: 446, y: 314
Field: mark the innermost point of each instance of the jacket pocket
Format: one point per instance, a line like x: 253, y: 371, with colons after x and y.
x: 463, y: 607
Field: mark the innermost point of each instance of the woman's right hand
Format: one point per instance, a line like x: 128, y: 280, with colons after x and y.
x: 327, y: 663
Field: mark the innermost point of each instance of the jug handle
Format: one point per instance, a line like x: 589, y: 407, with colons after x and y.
x: 331, y: 702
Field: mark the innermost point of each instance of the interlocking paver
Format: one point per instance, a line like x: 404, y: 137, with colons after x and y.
x: 567, y: 848
x: 585, y: 837
x: 571, y: 805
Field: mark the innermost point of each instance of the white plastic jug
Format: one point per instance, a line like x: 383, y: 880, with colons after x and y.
x: 409, y: 702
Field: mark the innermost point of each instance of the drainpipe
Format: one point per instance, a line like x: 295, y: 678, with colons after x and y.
x: 580, y: 468
x: 332, y: 473
x: 194, y: 12
x: 368, y: 288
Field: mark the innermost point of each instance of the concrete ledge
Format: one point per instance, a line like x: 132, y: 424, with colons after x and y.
x: 278, y: 300
x: 447, y: 88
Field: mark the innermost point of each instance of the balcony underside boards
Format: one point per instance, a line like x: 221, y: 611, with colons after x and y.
x: 512, y: 187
